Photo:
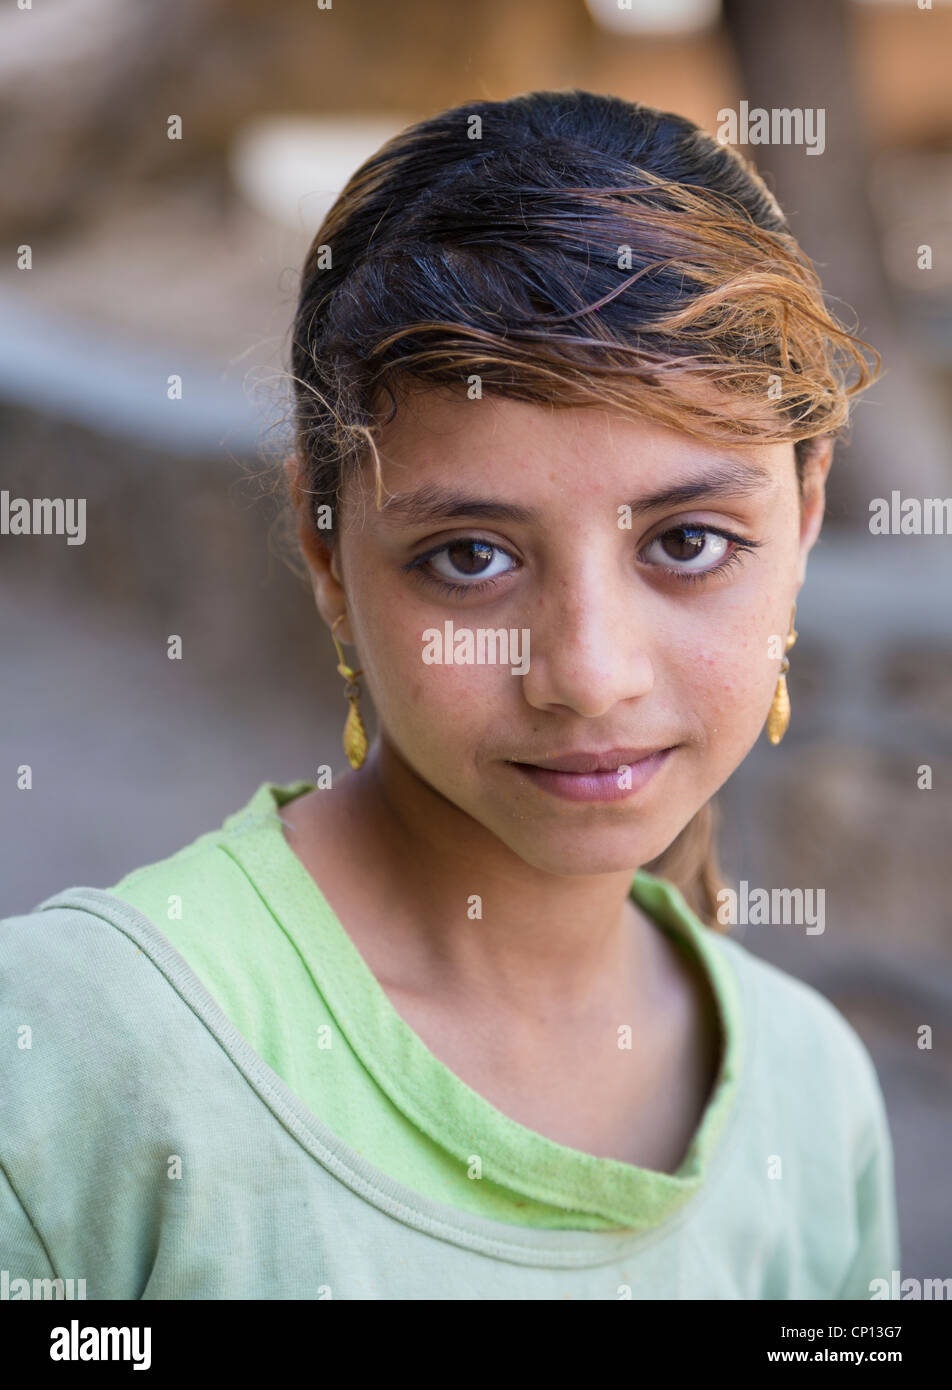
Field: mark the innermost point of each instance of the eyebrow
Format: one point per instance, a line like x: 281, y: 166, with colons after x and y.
x: 433, y: 502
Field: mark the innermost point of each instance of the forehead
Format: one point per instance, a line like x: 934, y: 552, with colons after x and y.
x: 442, y: 446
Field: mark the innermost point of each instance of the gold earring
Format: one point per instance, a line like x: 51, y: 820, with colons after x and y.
x: 355, y: 735
x: 779, y: 716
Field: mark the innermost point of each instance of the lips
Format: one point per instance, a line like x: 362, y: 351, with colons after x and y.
x: 609, y: 760
x: 595, y: 776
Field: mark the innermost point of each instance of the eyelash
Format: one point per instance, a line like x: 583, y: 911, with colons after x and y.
x: 695, y: 577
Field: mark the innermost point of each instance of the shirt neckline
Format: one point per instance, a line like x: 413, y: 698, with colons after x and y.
x: 431, y: 1095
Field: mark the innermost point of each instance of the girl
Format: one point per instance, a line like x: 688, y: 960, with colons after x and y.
x: 566, y: 393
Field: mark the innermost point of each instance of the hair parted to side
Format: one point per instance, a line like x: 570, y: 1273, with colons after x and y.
x: 566, y: 249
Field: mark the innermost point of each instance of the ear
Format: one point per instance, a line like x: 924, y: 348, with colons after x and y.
x: 813, y: 499
x: 321, y: 557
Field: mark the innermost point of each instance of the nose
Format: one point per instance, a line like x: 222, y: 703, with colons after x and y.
x: 588, y: 646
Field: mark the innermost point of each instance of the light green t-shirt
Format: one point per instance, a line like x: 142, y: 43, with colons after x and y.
x: 218, y: 1100
x: 248, y: 917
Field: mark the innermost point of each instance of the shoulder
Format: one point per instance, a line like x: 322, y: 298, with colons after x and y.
x: 116, y: 1064
x: 785, y: 1002
x: 79, y: 950
x: 97, y: 1042
x: 91, y: 975
x: 817, y: 1149
x: 94, y: 979
x: 114, y: 964
x: 83, y: 985
x: 805, y: 1056
x: 104, y: 1018
x: 61, y: 948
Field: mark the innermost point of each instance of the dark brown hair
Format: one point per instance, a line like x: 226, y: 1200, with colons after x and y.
x: 566, y: 249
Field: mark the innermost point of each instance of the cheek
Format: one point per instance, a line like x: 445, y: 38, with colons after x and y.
x: 425, y: 707
x: 730, y: 681
x: 432, y: 713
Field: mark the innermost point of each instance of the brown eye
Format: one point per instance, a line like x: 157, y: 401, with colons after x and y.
x: 680, y: 544
x: 689, y: 547
x: 469, y: 557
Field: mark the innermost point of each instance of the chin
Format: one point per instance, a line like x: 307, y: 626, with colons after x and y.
x: 570, y: 853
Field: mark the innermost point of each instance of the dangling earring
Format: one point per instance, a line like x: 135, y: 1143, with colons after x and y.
x: 779, y: 716
x: 355, y: 735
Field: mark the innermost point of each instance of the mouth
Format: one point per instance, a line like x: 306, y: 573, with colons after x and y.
x: 610, y: 775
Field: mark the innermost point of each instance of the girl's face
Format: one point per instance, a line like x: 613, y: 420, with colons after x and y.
x: 649, y: 629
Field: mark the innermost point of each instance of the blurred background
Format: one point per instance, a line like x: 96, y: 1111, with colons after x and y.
x: 150, y: 256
